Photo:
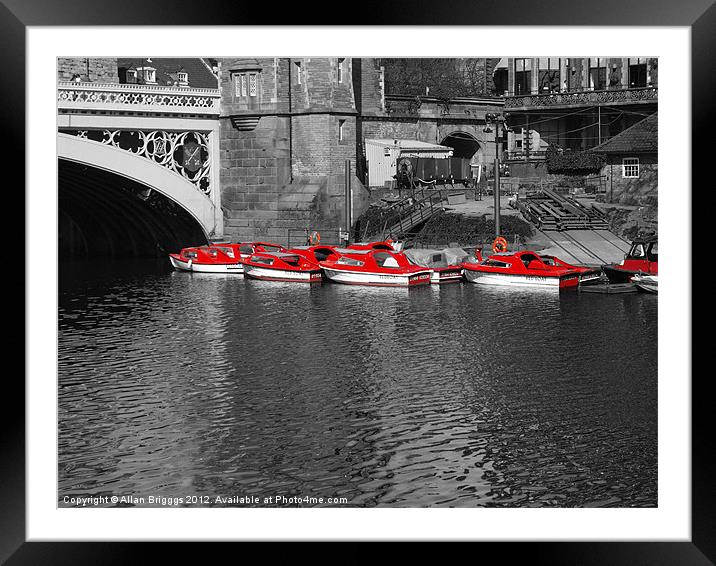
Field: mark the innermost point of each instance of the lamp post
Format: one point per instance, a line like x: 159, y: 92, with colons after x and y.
x: 496, y: 120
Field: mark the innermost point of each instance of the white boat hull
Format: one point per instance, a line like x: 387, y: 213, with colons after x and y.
x: 482, y: 278
x: 191, y: 266
x: 268, y: 274
x: 648, y: 283
x: 439, y: 277
x: 378, y: 279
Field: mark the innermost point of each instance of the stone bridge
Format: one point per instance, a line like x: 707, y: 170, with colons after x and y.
x: 138, y: 168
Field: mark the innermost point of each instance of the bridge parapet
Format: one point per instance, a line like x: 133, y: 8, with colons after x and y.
x: 154, y: 99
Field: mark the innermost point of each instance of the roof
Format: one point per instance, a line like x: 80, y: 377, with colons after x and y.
x: 642, y: 137
x: 199, y: 73
x: 408, y: 144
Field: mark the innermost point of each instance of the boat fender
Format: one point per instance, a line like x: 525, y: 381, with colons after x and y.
x: 499, y: 245
x: 314, y: 239
x: 190, y: 262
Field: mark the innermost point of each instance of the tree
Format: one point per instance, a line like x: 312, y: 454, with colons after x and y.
x: 442, y: 78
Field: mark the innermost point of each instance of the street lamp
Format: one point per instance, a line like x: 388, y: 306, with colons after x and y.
x: 497, y: 120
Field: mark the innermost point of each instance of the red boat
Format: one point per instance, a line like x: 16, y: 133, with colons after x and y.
x: 282, y: 266
x: 219, y: 257
x: 525, y: 269
x: 374, y: 267
x: 643, y: 257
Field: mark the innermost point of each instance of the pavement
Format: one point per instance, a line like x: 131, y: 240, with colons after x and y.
x: 482, y: 207
x: 585, y: 247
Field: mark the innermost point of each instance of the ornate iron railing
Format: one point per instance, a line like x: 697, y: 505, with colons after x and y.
x: 138, y: 98
x: 185, y: 153
x: 633, y: 95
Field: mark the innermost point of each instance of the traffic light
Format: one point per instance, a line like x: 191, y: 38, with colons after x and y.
x: 527, y: 140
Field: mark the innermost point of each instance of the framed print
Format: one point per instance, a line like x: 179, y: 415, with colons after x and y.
x: 362, y: 283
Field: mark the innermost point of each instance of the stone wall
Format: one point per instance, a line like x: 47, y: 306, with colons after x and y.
x: 89, y: 69
x: 633, y: 191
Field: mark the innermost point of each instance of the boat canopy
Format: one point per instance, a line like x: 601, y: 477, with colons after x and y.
x: 436, y: 258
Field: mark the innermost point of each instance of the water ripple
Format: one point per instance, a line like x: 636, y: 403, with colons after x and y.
x: 173, y: 384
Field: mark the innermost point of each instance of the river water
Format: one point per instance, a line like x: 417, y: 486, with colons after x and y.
x: 193, y: 387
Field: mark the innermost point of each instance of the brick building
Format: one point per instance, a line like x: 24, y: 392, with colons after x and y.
x: 631, y: 167
x: 289, y: 125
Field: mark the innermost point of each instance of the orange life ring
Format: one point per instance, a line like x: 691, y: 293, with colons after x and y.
x: 315, y: 238
x: 499, y: 245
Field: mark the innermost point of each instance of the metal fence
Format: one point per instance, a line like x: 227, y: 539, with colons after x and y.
x: 300, y: 236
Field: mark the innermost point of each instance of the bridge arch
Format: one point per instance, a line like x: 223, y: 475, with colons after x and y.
x: 465, y: 145
x: 115, y: 203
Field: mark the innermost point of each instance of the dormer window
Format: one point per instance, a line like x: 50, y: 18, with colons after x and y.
x: 131, y: 75
x: 183, y: 78
x: 149, y: 74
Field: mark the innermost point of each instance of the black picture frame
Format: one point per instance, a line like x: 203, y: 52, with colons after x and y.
x: 699, y: 15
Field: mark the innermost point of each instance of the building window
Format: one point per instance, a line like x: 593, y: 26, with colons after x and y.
x: 298, y: 72
x: 183, y: 77
x: 240, y: 85
x: 630, y: 167
x: 253, y: 84
x: 523, y: 76
x: 341, y: 128
x: 131, y: 76
x: 548, y: 75
x: 341, y: 63
x: 246, y: 84
x: 637, y: 72
x: 597, y: 73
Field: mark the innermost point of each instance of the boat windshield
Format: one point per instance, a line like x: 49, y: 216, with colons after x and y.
x: 384, y: 259
x: 227, y: 251
x: 494, y: 263
x: 246, y: 249
x: 323, y: 253
x: 189, y: 253
x: 652, y: 253
x: 264, y: 260
x: 349, y: 261
x: 527, y: 259
x: 637, y: 251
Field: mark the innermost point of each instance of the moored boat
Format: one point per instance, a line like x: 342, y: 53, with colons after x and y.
x: 648, y: 283
x: 215, y: 258
x: 642, y: 257
x: 446, y: 264
x: 282, y: 266
x: 524, y: 269
x: 380, y: 268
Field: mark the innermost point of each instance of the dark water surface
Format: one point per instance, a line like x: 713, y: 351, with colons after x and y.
x: 180, y: 385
